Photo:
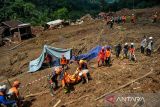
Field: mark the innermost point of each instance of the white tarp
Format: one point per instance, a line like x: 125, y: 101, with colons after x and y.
x: 55, y: 22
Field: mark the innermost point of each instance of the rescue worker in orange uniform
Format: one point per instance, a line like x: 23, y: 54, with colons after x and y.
x: 63, y: 61
x: 15, y: 92
x: 69, y: 80
x: 108, y: 56
x: 124, y: 19
x: 132, y: 53
x: 133, y: 19
x: 101, y: 56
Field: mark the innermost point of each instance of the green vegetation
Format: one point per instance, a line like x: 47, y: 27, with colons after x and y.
x: 41, y: 11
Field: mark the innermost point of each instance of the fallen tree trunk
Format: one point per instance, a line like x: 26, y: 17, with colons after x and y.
x: 124, y: 85
x: 41, y: 93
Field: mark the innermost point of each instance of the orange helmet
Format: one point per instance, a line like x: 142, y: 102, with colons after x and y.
x: 16, y: 83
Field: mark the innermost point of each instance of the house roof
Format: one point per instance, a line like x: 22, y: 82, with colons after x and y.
x: 12, y: 23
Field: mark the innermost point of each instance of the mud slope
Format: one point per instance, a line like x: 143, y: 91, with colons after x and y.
x: 14, y: 64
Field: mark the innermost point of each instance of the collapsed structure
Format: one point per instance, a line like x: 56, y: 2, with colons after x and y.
x: 11, y: 30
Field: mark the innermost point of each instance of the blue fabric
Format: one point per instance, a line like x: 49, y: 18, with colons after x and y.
x: 90, y: 55
x: 56, y: 53
x: 6, y: 102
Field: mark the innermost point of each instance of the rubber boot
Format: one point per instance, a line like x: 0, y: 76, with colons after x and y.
x: 66, y: 89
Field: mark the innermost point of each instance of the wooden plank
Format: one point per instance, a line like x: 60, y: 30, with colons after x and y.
x: 37, y: 94
x: 59, y: 101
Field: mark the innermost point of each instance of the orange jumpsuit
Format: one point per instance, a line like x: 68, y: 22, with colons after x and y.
x: 15, y: 91
x: 107, y: 57
x: 63, y: 62
x: 101, y: 57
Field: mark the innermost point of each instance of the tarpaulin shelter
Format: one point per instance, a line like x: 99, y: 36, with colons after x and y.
x: 90, y: 55
x: 54, y: 52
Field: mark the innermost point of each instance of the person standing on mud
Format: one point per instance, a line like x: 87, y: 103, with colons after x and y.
x: 133, y: 19
x: 118, y: 50
x: 155, y: 16
x: 149, y: 46
x: 125, y: 50
x: 111, y: 23
x: 132, y: 56
x: 101, y: 56
x: 63, y: 62
x: 143, y: 44
x: 124, y: 19
x: 108, y: 56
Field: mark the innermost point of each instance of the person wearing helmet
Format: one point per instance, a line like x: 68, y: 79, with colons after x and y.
x: 3, y: 99
x: 133, y: 18
x: 132, y: 53
x: 101, y: 56
x: 83, y: 64
x: 56, y: 72
x: 149, y: 46
x: 83, y: 67
x: 155, y: 16
x: 63, y: 62
x: 143, y: 44
x: 15, y: 92
x: 111, y: 23
x: 125, y: 50
x: 108, y: 56
x: 118, y: 49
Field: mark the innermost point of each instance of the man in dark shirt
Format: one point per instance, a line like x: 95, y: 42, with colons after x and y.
x: 118, y: 50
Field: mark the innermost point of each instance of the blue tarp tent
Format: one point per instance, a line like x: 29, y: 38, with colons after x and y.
x: 54, y: 52
x: 90, y: 55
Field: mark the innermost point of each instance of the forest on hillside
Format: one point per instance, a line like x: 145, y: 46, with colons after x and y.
x: 40, y: 11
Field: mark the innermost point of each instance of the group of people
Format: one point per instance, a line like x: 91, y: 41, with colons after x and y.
x: 147, y: 45
x: 119, y: 19
x: 68, y: 80
x: 128, y: 51
x: 104, y: 56
x: 12, y: 97
x: 49, y: 61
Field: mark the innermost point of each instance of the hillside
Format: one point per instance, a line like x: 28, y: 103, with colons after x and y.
x: 84, y: 37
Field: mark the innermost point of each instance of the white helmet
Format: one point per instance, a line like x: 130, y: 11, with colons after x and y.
x: 132, y: 43
x: 3, y: 87
x: 126, y: 43
x: 150, y: 37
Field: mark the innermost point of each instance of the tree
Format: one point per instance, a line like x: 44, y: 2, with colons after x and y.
x: 61, y: 13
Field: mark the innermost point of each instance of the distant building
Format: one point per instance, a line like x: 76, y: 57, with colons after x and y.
x: 9, y: 28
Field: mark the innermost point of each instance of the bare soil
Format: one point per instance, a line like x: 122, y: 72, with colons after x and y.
x: 14, y: 63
